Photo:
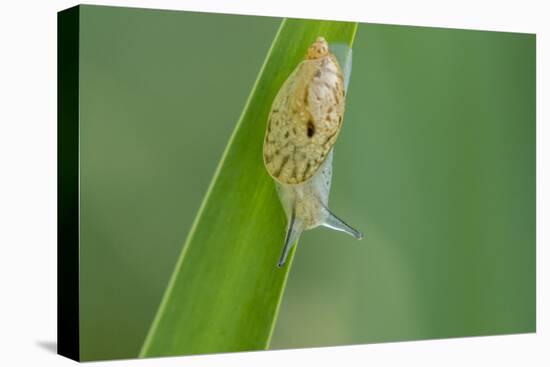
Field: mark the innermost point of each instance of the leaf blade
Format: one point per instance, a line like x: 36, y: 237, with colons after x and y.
x: 226, y: 289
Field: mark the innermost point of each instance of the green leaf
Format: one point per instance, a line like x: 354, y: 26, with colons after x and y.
x: 226, y: 289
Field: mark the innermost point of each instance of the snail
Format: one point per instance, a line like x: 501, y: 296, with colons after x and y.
x: 303, y: 124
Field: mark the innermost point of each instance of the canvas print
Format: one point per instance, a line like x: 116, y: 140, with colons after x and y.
x: 240, y: 183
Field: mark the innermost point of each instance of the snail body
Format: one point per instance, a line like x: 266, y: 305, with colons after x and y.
x: 304, y: 122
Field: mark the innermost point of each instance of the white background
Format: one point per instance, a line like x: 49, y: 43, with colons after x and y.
x: 28, y: 182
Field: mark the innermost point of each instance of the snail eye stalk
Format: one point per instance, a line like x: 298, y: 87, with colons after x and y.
x: 293, y: 232
x: 338, y: 224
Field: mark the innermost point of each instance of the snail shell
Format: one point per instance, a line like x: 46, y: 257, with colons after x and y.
x: 304, y: 122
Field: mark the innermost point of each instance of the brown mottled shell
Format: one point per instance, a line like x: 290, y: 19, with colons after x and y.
x: 306, y: 117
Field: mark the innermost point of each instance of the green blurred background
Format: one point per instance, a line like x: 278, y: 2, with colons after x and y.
x: 436, y: 164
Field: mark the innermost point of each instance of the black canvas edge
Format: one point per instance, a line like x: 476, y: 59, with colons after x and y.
x: 68, y: 316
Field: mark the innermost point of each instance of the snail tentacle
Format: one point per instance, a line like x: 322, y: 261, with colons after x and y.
x: 293, y: 232
x: 333, y: 222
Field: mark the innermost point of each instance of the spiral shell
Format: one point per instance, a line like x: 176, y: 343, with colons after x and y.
x: 306, y: 117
